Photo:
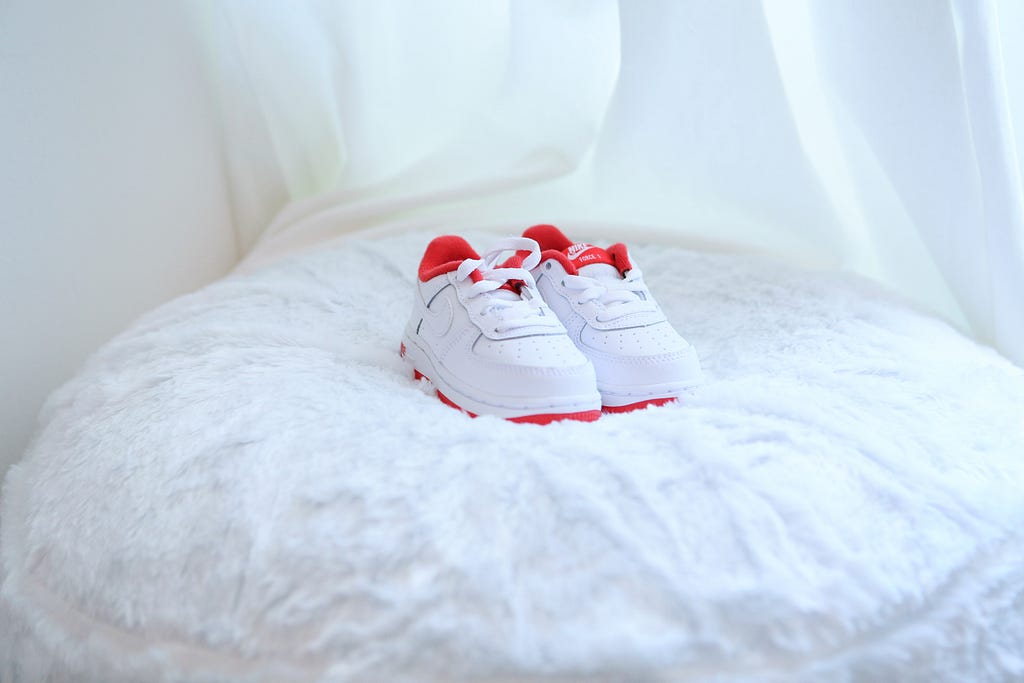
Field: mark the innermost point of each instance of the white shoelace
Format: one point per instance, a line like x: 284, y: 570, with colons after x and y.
x: 511, y: 310
x: 618, y: 296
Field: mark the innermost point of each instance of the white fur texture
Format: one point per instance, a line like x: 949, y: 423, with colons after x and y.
x: 247, y: 486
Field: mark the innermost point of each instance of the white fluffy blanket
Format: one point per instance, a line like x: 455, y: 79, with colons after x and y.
x: 246, y: 485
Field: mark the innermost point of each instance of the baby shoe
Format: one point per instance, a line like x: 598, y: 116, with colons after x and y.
x: 609, y: 313
x: 483, y: 336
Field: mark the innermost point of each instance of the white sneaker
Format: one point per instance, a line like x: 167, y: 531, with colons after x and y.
x: 600, y: 297
x: 485, y: 339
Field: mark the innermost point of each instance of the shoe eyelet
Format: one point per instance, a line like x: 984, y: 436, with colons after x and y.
x: 547, y: 266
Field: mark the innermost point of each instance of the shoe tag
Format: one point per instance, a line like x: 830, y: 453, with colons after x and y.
x: 582, y: 254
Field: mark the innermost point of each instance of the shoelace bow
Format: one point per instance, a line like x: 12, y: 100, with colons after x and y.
x: 618, y: 296
x: 521, y: 307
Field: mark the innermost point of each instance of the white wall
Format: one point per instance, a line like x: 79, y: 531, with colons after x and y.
x: 111, y: 185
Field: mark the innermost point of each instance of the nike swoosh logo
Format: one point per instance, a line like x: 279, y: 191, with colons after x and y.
x: 577, y: 248
x: 440, y: 314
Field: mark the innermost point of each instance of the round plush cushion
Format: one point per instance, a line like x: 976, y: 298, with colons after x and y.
x: 249, y: 485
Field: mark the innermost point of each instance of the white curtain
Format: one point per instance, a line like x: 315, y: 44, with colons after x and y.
x: 147, y: 145
x: 867, y: 135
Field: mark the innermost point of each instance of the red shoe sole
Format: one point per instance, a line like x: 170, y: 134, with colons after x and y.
x: 639, y: 405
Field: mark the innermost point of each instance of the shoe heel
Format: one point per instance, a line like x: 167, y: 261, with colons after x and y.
x: 404, y: 353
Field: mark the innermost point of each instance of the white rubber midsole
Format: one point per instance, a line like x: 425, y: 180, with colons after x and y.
x: 423, y: 362
x: 615, y: 396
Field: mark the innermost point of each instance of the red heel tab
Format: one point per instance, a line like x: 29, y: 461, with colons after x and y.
x: 548, y: 237
x: 443, y: 255
x: 621, y: 258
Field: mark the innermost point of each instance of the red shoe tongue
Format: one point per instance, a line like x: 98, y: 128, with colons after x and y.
x: 583, y: 255
x: 513, y: 261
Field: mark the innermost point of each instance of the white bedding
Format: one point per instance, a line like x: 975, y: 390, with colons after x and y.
x: 247, y: 485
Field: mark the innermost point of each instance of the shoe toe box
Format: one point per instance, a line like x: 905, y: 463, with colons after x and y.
x: 642, y: 356
x: 533, y: 366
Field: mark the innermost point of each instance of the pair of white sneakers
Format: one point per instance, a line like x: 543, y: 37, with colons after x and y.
x: 556, y: 331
